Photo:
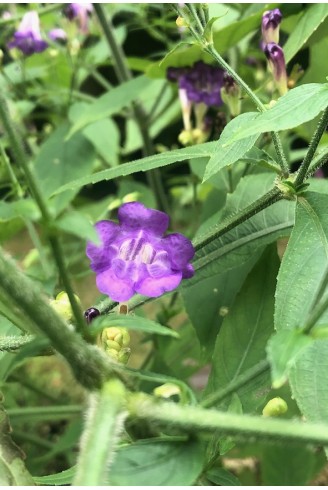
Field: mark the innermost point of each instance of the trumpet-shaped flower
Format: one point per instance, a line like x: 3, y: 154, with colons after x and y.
x: 135, y: 257
x: 28, y: 36
x: 270, y: 26
x: 81, y: 12
x: 277, y: 65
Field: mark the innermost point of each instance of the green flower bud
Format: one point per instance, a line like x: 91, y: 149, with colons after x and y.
x: 167, y: 390
x: 62, y: 305
x: 275, y: 407
x: 111, y: 344
x: 124, y: 355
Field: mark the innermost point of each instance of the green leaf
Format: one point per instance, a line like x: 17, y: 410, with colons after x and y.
x: 61, y: 161
x: 287, y: 465
x: 308, y: 23
x: 141, y: 165
x: 282, y: 349
x: 76, y: 224
x: 130, y: 322
x: 299, y: 105
x: 244, y: 334
x: 304, y: 263
x: 158, y: 463
x: 227, y: 155
x: 111, y: 103
x: 222, y: 477
x: 105, y: 138
x: 12, y: 468
x: 308, y: 379
x: 63, y: 478
x: 25, y: 208
x: 240, y: 244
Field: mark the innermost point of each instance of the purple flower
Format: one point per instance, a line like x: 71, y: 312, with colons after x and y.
x: 276, y: 60
x: 81, y: 12
x: 230, y: 93
x: 270, y: 26
x: 28, y: 36
x: 203, y: 84
x: 134, y: 257
x: 57, y: 34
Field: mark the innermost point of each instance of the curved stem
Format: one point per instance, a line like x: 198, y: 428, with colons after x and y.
x: 302, y: 172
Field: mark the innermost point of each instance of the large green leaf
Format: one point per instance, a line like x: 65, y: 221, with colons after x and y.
x: 245, y: 331
x: 308, y: 380
x: 141, y: 165
x: 287, y: 465
x: 299, y: 105
x: 226, y: 155
x: 240, y: 244
x: 105, y: 137
x: 158, y: 463
x: 111, y: 103
x: 304, y: 263
x: 25, y: 208
x: 12, y: 468
x: 61, y: 161
x: 308, y: 23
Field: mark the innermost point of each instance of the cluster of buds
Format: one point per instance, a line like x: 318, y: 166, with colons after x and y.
x: 63, y: 307
x: 114, y: 341
x: 273, y: 52
x: 202, y: 86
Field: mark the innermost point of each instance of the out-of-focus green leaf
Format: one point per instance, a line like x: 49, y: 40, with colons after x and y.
x: 304, y: 264
x: 222, y: 477
x: 309, y: 22
x: 299, y: 105
x: 61, y: 161
x: 25, y: 208
x: 105, y: 137
x: 245, y: 331
x: 158, y: 463
x: 63, y: 478
x: 76, y: 224
x: 282, y: 350
x: 12, y: 468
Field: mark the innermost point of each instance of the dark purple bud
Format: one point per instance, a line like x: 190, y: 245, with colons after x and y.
x: 79, y: 11
x: 277, y: 65
x: 90, y: 314
x: 270, y: 26
x: 57, y: 34
x: 230, y: 93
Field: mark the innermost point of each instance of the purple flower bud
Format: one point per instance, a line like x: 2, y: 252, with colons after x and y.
x: 90, y: 314
x: 203, y: 84
x: 57, y: 34
x: 276, y: 60
x: 230, y: 93
x: 135, y: 257
x: 28, y: 36
x: 270, y: 26
x: 79, y: 11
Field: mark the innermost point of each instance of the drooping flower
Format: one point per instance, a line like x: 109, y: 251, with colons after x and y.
x: 230, y: 93
x: 135, y: 257
x: 81, y: 12
x: 28, y: 36
x: 57, y: 34
x: 277, y: 65
x: 270, y: 26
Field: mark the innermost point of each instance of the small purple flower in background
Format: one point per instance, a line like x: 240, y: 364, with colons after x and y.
x: 81, y: 12
x: 135, y: 257
x: 6, y: 15
x: 270, y: 26
x: 277, y: 65
x: 230, y: 93
x: 28, y: 36
x: 57, y: 34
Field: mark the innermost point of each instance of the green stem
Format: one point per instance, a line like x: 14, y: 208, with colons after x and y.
x: 318, y: 311
x: 88, y: 363
x: 104, y: 424
x: 19, y: 154
x: 317, y: 163
x: 229, y: 223
x: 173, y: 415
x: 27, y: 437
x: 16, y: 185
x: 194, y: 13
x: 280, y: 154
x: 31, y: 414
x: 218, y: 396
x: 123, y: 74
x: 315, y: 140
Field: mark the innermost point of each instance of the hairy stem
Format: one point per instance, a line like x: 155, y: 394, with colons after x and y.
x: 173, y: 415
x: 303, y: 170
x: 228, y: 224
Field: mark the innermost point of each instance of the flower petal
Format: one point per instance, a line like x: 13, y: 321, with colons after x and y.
x: 135, y: 216
x: 102, y: 254
x: 179, y: 248
x: 188, y: 272
x: 154, y: 287
x: 117, y: 289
